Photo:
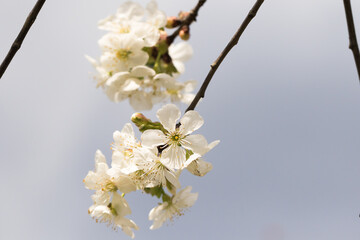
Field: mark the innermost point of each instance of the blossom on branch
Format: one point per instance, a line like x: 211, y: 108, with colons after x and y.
x: 177, y: 140
x: 137, y: 61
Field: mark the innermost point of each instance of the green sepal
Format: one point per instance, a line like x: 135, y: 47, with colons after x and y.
x: 188, y: 153
x: 157, y: 191
x: 144, y: 123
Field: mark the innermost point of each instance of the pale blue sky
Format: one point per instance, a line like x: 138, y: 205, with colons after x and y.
x: 285, y: 104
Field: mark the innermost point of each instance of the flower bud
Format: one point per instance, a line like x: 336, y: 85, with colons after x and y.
x: 163, y: 35
x: 143, y: 123
x: 183, y: 15
x: 172, y: 22
x: 139, y: 118
x: 185, y: 33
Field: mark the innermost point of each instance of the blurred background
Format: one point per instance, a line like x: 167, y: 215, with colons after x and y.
x: 285, y: 104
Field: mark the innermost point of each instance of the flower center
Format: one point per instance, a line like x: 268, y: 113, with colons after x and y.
x: 123, y: 54
x: 124, y: 30
x: 109, y: 186
x: 175, y: 138
x: 172, y: 91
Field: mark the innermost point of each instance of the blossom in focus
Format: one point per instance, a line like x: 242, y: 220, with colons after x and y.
x: 175, y: 207
x: 155, y: 173
x: 176, y: 139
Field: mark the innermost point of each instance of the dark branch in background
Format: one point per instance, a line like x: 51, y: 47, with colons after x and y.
x: 352, y: 35
x: 201, y: 93
x: 20, y: 38
x: 191, y: 18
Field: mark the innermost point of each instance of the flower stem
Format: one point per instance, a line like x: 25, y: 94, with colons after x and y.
x: 353, y: 45
x: 21, y: 36
x: 201, y: 93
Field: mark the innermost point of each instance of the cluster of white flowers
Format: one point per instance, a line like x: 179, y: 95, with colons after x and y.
x: 137, y: 62
x: 152, y: 165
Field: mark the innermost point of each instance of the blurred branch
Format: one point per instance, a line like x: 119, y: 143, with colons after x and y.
x: 190, y: 18
x: 352, y: 35
x: 201, y: 93
x: 21, y: 36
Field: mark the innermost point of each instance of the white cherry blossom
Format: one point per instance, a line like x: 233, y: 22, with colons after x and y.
x: 175, y: 207
x: 177, y: 91
x: 107, y: 180
x: 177, y: 139
x: 122, y: 52
x: 155, y: 16
x: 155, y: 172
x: 113, y: 214
x: 125, y: 84
x: 142, y: 30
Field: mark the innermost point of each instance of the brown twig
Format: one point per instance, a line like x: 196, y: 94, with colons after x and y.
x: 189, y: 19
x: 22, y: 34
x: 201, y: 93
x: 352, y: 35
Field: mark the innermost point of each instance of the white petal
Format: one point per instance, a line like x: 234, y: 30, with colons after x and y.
x: 117, y: 79
x: 190, y: 85
x: 185, y: 198
x: 197, y: 143
x: 172, y: 179
x: 163, y: 77
x: 146, y: 31
x: 153, y: 138
x: 187, y: 98
x: 190, y: 122
x: 181, y: 51
x: 156, y: 16
x: 130, y: 11
x: 192, y: 158
x: 140, y: 101
x: 168, y: 116
x: 120, y: 204
x: 118, y: 158
x: 90, y: 181
x: 142, y: 71
x: 126, y: 225
x: 128, y: 129
x: 213, y: 144
x: 131, y: 84
x: 157, y: 215
x: 137, y: 58
x: 199, y: 167
x: 99, y: 157
x: 173, y: 157
x: 125, y: 184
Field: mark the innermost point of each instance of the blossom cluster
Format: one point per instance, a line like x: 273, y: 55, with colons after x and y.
x: 138, y: 62
x: 152, y: 165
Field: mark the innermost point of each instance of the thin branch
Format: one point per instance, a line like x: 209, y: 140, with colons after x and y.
x: 201, y: 93
x: 189, y: 19
x: 22, y: 34
x: 352, y: 35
